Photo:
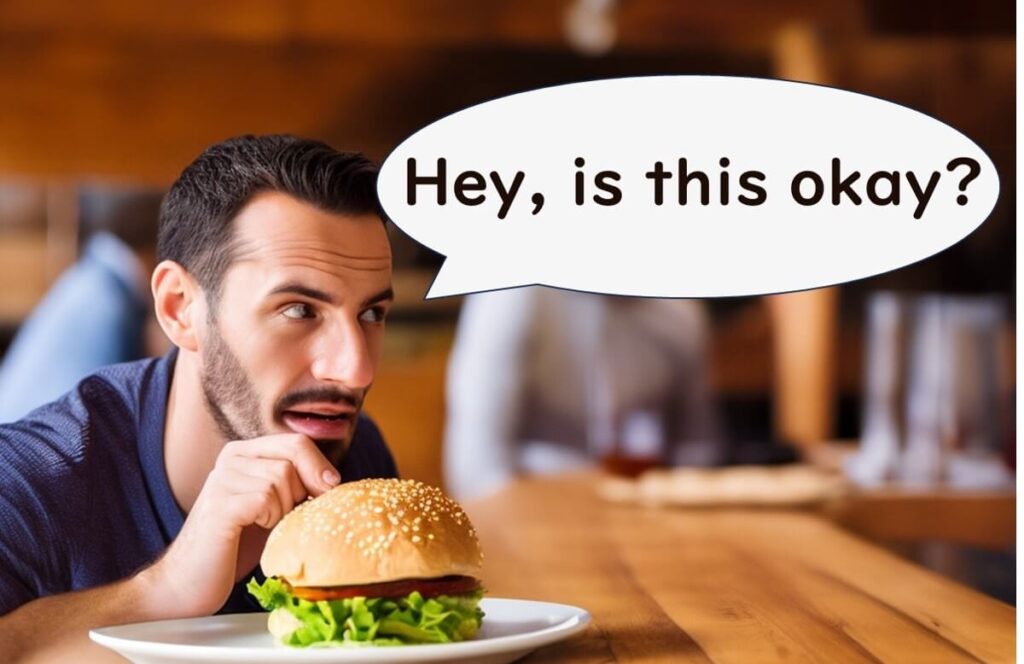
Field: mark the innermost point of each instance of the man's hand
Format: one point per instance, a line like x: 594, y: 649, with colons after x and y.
x: 254, y: 482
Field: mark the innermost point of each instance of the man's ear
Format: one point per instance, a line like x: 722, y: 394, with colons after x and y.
x: 178, y: 304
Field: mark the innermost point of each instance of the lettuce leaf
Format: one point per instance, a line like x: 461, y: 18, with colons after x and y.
x: 362, y: 621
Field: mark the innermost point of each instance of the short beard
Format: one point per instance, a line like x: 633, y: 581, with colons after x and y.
x: 227, y: 388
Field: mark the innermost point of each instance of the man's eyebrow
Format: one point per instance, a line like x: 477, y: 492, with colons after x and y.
x: 305, y: 291
x: 386, y: 294
x: 295, y: 288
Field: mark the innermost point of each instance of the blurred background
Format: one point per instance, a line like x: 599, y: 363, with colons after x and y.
x: 902, y: 383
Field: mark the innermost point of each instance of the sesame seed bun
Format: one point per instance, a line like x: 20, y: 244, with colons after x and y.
x: 372, y: 531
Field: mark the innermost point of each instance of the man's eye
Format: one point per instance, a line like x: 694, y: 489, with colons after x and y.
x: 374, y: 315
x: 298, y: 311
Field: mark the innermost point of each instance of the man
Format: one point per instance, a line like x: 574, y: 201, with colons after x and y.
x: 148, y: 491
x: 95, y: 314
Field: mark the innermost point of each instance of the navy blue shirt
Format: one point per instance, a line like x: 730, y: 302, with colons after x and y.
x: 84, y: 495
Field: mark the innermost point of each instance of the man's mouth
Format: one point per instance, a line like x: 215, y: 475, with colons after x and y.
x: 320, y: 422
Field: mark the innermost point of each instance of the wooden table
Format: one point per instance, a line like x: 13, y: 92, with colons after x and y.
x: 982, y: 518
x: 724, y: 585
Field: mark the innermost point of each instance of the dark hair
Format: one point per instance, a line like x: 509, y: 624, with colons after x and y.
x: 195, y: 219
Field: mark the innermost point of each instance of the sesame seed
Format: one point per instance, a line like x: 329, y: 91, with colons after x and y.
x: 349, y: 510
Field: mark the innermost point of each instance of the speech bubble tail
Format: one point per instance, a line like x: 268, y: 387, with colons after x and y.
x: 444, y: 283
x: 461, y: 278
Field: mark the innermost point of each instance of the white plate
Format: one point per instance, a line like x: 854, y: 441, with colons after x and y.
x: 512, y: 628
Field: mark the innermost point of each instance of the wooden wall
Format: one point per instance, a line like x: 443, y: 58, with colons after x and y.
x: 129, y: 91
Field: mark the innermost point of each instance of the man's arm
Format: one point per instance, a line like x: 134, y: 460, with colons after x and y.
x: 254, y: 482
x: 81, y: 323
x: 56, y: 628
x: 695, y: 428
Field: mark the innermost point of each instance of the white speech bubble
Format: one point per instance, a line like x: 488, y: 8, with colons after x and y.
x: 732, y: 245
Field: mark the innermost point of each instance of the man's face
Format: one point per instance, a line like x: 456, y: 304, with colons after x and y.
x: 295, y: 337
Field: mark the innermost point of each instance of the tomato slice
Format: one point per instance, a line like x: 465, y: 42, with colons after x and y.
x: 445, y: 585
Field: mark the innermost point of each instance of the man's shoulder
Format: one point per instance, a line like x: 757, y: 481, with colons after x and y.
x: 112, y: 391
x: 62, y: 432
x: 127, y: 381
x: 66, y: 468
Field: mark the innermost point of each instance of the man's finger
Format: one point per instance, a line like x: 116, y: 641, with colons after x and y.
x: 314, y: 470
x: 257, y: 507
x: 278, y: 472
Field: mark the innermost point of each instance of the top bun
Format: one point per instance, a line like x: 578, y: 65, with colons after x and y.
x: 372, y: 531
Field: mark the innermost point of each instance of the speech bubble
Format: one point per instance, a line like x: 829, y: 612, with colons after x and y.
x: 788, y: 186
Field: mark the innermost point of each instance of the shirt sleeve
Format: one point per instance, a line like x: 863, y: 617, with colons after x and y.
x: 486, y: 385
x: 15, y: 573
x: 30, y: 549
x: 694, y: 427
x: 87, y: 322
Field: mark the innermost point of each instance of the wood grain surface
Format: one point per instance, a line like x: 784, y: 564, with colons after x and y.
x: 724, y: 585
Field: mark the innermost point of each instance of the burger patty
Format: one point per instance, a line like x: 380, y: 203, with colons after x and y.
x: 445, y: 585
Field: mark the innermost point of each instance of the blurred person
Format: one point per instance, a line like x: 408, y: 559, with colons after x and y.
x: 544, y: 381
x: 96, y: 312
x: 148, y: 491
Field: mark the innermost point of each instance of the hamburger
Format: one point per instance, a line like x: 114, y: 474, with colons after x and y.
x: 373, y: 562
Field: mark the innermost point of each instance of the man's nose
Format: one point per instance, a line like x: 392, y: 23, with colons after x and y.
x: 343, y: 357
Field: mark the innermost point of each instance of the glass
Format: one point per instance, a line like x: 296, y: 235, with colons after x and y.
x: 935, y: 392
x: 628, y: 392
